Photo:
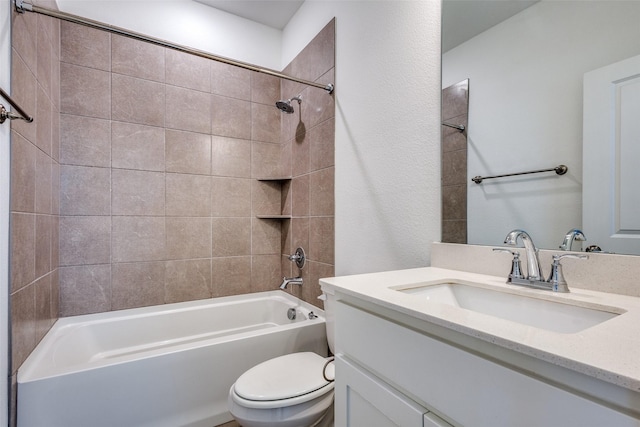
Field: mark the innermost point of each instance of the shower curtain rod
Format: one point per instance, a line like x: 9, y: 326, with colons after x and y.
x: 22, y: 6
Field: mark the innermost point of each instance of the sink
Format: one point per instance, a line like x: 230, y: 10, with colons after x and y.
x: 540, y: 313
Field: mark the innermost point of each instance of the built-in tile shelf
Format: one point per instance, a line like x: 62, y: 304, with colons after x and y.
x: 284, y: 183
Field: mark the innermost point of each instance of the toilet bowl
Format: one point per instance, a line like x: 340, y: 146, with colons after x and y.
x: 294, y: 390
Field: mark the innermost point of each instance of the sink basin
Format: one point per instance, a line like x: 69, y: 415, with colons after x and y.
x: 540, y: 313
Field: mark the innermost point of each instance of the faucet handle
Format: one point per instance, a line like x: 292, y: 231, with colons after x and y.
x: 556, y: 278
x: 516, y: 266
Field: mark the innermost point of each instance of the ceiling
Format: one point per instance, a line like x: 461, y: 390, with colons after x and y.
x: 465, y: 19
x: 273, y: 13
x: 461, y: 19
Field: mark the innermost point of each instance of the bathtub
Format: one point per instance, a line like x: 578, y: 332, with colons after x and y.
x: 169, y: 365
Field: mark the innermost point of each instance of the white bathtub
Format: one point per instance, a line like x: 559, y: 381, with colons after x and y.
x: 169, y: 365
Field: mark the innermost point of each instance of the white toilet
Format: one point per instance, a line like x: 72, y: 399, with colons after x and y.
x: 294, y: 390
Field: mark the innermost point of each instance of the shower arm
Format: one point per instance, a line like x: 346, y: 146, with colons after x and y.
x: 22, y: 7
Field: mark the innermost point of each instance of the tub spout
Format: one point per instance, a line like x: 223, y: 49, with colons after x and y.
x: 290, y: 280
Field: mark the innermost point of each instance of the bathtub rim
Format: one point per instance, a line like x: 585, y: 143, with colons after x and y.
x: 30, y: 371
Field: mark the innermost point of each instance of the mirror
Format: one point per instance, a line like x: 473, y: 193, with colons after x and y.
x: 525, y: 61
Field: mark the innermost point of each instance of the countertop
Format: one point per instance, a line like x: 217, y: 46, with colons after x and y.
x: 609, y: 351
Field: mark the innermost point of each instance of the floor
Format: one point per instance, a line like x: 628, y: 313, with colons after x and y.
x: 230, y: 424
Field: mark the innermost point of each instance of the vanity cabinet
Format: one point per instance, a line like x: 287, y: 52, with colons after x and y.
x: 391, y: 369
x: 362, y: 399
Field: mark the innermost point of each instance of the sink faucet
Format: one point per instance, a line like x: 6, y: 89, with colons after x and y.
x: 572, y: 235
x: 290, y: 280
x: 534, y: 272
x: 535, y: 279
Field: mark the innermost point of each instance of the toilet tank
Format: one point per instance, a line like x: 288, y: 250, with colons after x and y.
x: 329, y: 298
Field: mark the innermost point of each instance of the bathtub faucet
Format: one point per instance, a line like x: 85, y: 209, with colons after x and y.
x: 292, y: 280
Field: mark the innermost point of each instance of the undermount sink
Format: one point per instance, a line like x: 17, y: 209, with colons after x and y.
x: 540, y: 313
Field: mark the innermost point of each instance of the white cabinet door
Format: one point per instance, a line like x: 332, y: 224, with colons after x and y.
x: 611, y: 154
x: 362, y: 399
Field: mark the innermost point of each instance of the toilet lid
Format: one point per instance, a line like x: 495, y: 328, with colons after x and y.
x: 284, y: 377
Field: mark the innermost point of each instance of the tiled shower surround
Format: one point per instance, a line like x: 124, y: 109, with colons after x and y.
x: 160, y: 156
x: 140, y: 180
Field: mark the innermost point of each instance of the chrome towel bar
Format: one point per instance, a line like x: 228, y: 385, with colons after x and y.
x: 560, y: 170
x: 4, y: 114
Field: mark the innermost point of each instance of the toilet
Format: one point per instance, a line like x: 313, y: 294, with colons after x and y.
x: 294, y: 390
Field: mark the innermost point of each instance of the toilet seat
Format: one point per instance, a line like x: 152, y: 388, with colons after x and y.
x: 284, y: 381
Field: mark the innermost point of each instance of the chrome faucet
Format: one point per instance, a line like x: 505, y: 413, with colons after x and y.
x: 535, y: 278
x: 290, y: 280
x: 534, y: 272
x: 572, y: 235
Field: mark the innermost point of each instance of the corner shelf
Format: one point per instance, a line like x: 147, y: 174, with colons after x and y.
x: 282, y: 180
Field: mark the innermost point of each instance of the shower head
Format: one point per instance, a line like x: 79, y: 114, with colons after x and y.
x: 285, y: 106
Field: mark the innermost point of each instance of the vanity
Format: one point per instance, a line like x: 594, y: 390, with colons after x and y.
x: 439, y: 346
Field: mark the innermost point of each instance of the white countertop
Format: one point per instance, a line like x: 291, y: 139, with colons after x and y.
x: 609, y: 351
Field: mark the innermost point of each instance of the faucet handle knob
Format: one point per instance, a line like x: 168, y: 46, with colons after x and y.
x: 556, y: 278
x: 516, y: 266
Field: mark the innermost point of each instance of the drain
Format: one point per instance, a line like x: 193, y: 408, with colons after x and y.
x: 291, y: 314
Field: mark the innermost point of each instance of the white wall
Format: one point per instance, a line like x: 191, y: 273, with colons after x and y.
x: 5, y: 155
x: 526, y: 111
x: 387, y: 128
x: 188, y: 23
x: 387, y: 113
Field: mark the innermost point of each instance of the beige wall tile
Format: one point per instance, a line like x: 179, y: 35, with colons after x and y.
x: 300, y: 233
x: 230, y: 157
x: 321, y: 189
x: 300, y: 196
x: 266, y: 198
x: 265, y: 236
x: 229, y: 117
x: 23, y: 249
x: 23, y: 174
x: 85, y: 289
x: 137, y: 192
x: 137, y: 284
x: 187, y: 280
x: 265, y: 123
x: 231, y: 236
x: 188, y: 238
x: 44, y: 58
x: 319, y: 105
x: 85, y: 240
x: 231, y: 276
x: 230, y: 81
x: 317, y: 271
x: 43, y: 120
x: 23, y: 325
x: 43, y: 182
x: 454, y: 167
x: 85, y: 141
x: 137, y: 59
x: 24, y: 29
x: 138, y: 238
x: 85, y: 190
x: 44, y: 237
x: 230, y: 197
x: 135, y: 100
x: 300, y: 154
x: 265, y: 160
x: 23, y: 91
x: 265, y: 89
x: 188, y: 152
x: 321, y: 239
x: 318, y: 56
x: 265, y: 273
x: 85, y: 46
x: 184, y: 70
x: 322, y: 145
x: 44, y: 318
x: 137, y: 146
x: 188, y: 109
x: 85, y: 91
x: 188, y: 195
